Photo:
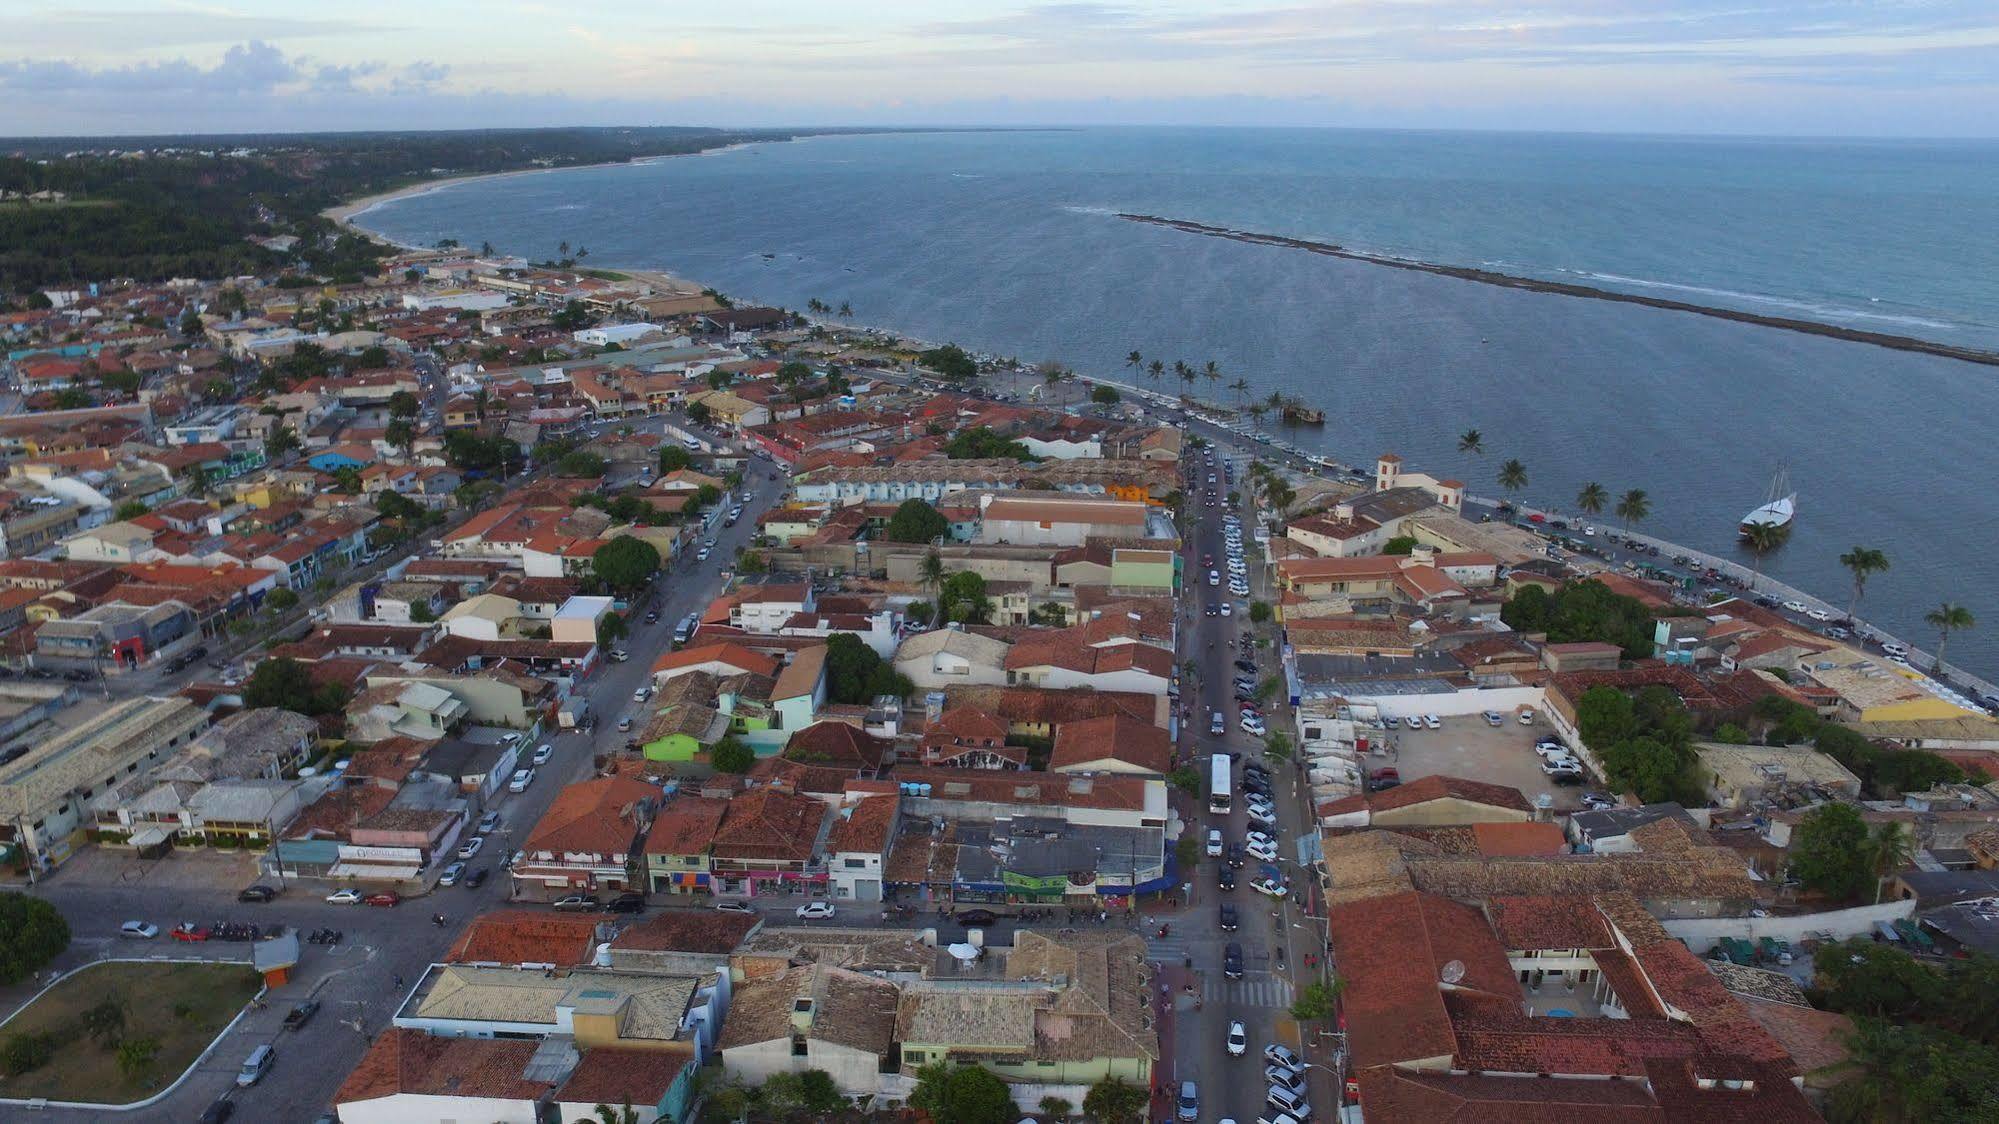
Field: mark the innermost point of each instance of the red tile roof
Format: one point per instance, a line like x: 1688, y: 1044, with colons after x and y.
x: 610, y: 1076
x: 525, y: 936
x: 410, y: 1061
x: 836, y: 744
x: 769, y: 825
x: 686, y: 826
x: 1113, y: 737
x: 865, y: 826
x: 595, y: 817
x: 736, y: 656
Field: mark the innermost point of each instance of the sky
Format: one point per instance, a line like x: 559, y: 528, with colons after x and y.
x: 1891, y: 68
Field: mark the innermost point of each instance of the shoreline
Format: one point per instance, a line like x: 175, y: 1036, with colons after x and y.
x: 904, y: 340
x: 344, y: 214
x: 1570, y: 289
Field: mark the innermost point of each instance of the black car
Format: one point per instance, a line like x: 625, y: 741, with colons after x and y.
x: 475, y: 879
x: 257, y: 893
x: 302, y: 1014
x: 1232, y: 961
x: 1248, y: 666
x: 197, y: 653
x: 1235, y: 855
x: 1228, y: 917
x: 218, y: 1112
x: 977, y: 917
x: 76, y: 675
x: 627, y: 902
x: 1224, y: 877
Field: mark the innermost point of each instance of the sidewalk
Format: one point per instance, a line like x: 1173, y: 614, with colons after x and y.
x: 1167, y: 995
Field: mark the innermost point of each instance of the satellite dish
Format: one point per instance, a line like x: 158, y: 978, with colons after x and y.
x: 1454, y: 971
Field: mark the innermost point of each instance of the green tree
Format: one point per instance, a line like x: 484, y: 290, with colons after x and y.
x: 25, y: 1053
x: 104, y: 1021
x: 1400, y: 544
x: 1105, y: 395
x: 287, y: 684
x: 1862, y: 562
x: 699, y: 413
x: 1890, y: 848
x: 1861, y: 977
x: 32, y: 933
x: 403, y: 404
x: 1592, y: 498
x: 136, y: 1056
x: 817, y: 1091
x: 611, y: 629
x: 1113, y: 1100
x: 1829, y: 851
x: 981, y: 443
x: 915, y: 521
x: 1471, y: 441
x: 581, y: 465
x: 1512, y: 476
x: 283, y: 439
x: 1652, y: 769
x: 1604, y: 716
x: 1633, y: 507
x: 130, y: 509
x: 918, y: 612
x: 1911, y: 1074
x: 1318, y: 1000
x: 962, y: 598
x: 400, y: 434
x: 1761, y: 539
x: 673, y: 458
x: 732, y: 755
x: 1259, y: 612
x: 1052, y: 1105
x: 1154, y: 370
x: 856, y: 673
x: 969, y: 1094
x: 949, y: 361
x: 625, y: 564
x: 1946, y: 619
x: 1134, y: 360
x: 1186, y: 780
x: 281, y: 599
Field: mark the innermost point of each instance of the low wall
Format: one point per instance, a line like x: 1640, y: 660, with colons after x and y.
x: 1449, y: 704
x: 1702, y: 934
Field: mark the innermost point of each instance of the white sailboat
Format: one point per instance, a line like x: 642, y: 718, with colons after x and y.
x: 1776, y: 511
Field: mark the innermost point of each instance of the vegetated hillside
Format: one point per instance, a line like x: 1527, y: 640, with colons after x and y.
x: 157, y: 207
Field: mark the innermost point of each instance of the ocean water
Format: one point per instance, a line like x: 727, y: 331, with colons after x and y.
x: 1009, y: 242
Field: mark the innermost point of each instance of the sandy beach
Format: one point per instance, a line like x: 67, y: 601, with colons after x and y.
x: 346, y: 213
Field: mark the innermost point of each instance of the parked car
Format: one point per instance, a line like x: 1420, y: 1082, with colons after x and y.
x: 301, y: 1014
x: 488, y: 823
x: 1383, y: 779
x: 1270, y: 886
x: 450, y: 875
x: 190, y: 932
x: 1238, y: 1039
x: 814, y: 911
x: 521, y: 780
x: 139, y: 930
x: 1188, y: 1107
x: 576, y: 903
x: 1232, y: 961
x: 1224, y: 878
x: 217, y: 1113
x: 471, y: 846
x: 257, y: 893
x: 1433, y: 722
x: 735, y: 907
x: 387, y: 899
x: 978, y: 917
x: 256, y: 1066
x: 1526, y: 716
x: 475, y: 879
x: 631, y: 901
x: 1214, y: 843
x: 542, y: 754
x: 1281, y: 1055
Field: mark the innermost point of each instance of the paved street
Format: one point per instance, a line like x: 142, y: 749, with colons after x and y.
x: 355, y: 980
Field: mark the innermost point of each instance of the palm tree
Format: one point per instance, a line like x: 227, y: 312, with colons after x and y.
x: 1592, y: 498
x: 1762, y: 538
x: 1633, y: 507
x: 1889, y: 849
x: 1256, y: 412
x: 1863, y: 562
x: 1134, y: 360
x: 931, y: 572
x: 562, y: 251
x: 1946, y: 619
x: 1212, y: 373
x: 485, y: 249
x: 1187, y: 375
x: 1471, y: 441
x: 1513, y: 476
x: 1154, y: 369
x: 625, y: 1114
x: 1241, y: 388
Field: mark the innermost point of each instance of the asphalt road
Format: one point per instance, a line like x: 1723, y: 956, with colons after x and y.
x: 1231, y: 1087
x: 355, y: 981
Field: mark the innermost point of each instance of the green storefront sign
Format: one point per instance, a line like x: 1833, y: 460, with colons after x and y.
x: 1027, y: 885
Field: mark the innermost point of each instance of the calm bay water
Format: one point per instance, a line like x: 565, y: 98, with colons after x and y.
x: 1008, y: 242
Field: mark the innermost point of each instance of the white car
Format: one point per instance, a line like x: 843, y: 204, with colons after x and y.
x: 642, y: 694
x: 1794, y: 606
x: 1256, y: 837
x: 1238, y: 1039
x: 1562, y: 764
x: 813, y: 911
x: 139, y: 930
x: 1271, y: 887
x: 1527, y: 716
x: 1214, y: 843
x: 1281, y: 1055
x: 471, y: 846
x: 1214, y: 578
x: 1818, y: 614
x: 488, y: 823
x: 1263, y: 816
x: 542, y: 753
x: 1226, y: 610
x: 1546, y: 750
x: 521, y: 780
x: 1262, y: 852
x: 1494, y: 718
x: 348, y: 896
x: 1433, y: 722
x: 450, y: 875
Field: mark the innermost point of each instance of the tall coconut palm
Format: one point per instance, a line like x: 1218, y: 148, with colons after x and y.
x: 1256, y: 411
x: 1513, y: 476
x: 1862, y: 562
x: 846, y: 311
x: 1187, y: 374
x: 931, y: 572
x: 1471, y: 441
x: 1241, y: 388
x: 1133, y: 359
x: 1946, y: 619
x: 1761, y: 538
x: 1592, y: 498
x: 1889, y: 849
x: 1154, y: 370
x: 1633, y: 507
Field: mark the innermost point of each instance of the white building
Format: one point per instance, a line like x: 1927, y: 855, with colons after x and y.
x: 604, y: 335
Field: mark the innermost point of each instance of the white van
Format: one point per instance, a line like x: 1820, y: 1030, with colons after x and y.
x: 255, y: 1066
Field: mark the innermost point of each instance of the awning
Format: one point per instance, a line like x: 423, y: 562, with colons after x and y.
x: 148, y: 836
x: 371, y: 872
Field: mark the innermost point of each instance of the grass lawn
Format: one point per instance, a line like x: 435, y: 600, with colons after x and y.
x: 183, y: 1005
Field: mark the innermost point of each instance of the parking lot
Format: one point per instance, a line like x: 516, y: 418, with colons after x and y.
x: 1468, y: 747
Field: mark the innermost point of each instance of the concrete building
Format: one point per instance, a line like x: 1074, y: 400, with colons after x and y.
x: 1035, y: 521
x: 1739, y: 776
x: 813, y: 1016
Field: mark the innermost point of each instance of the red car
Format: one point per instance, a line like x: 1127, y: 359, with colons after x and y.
x: 189, y: 931
x: 385, y: 898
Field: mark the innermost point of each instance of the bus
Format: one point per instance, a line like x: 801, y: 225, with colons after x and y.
x: 1221, y: 785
